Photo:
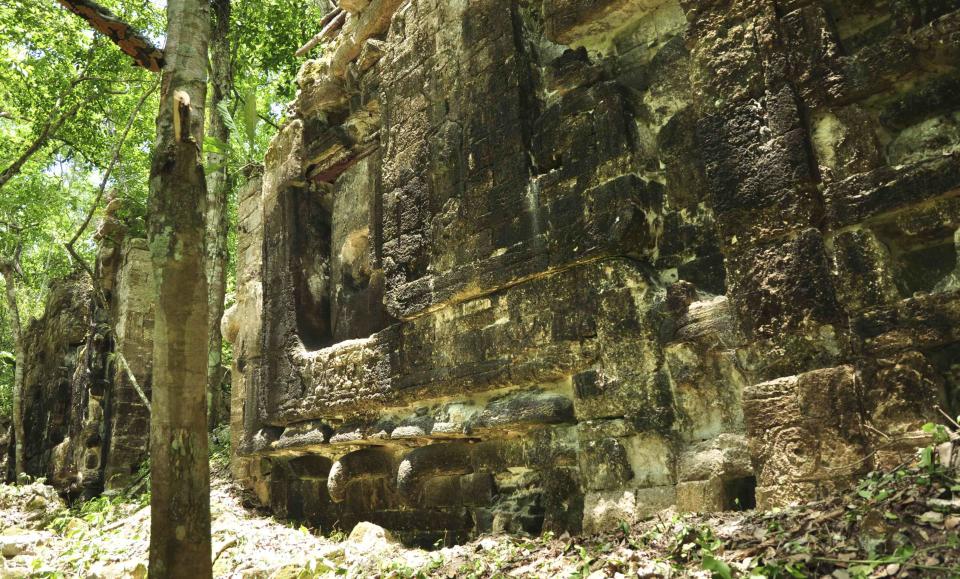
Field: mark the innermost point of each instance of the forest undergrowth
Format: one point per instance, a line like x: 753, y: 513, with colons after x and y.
x: 903, y: 522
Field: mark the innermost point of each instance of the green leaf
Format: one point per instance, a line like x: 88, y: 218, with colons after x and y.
x: 926, y: 457
x: 223, y: 107
x: 213, y: 144
x: 717, y: 567
x: 903, y: 553
x: 250, y: 118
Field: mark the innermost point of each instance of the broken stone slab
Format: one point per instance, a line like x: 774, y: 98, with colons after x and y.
x: 319, y: 92
x: 284, y: 162
x: 332, y: 150
x: 605, y: 510
x: 372, y: 21
x: 576, y: 22
x: 524, y: 408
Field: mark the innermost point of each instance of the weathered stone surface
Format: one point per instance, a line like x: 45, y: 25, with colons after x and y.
x: 87, y: 426
x: 515, y: 267
x: 806, y: 429
x: 524, y: 266
x: 608, y: 509
x: 572, y: 21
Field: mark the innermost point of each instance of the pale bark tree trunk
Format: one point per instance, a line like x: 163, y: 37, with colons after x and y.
x: 179, y: 461
x: 7, y: 270
x: 218, y: 188
x: 180, y: 474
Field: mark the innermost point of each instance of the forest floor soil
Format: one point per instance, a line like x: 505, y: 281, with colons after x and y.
x: 899, y: 523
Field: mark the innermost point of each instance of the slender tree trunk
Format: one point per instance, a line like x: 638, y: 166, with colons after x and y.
x: 180, y: 475
x: 7, y: 271
x: 218, y: 188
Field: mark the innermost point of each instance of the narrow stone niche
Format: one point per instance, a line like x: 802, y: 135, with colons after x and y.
x: 924, y: 254
x: 740, y: 494
x: 310, y: 266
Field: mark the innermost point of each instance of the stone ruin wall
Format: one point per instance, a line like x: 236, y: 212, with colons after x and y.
x: 521, y: 266
x: 87, y: 429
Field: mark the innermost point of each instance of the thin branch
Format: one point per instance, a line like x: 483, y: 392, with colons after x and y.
x: 103, y: 186
x: 947, y: 416
x: 331, y: 23
x: 130, y: 41
x: 50, y: 128
x: 133, y: 380
x: 53, y: 124
x: 263, y: 118
x: 230, y: 543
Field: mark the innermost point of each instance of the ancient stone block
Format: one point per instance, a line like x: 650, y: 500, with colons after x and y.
x: 559, y: 266
x: 605, y: 510
x: 886, y: 189
x: 782, y: 286
x: 701, y: 496
x: 576, y: 21
x: 284, y: 161
x: 864, y: 277
x: 805, y: 429
x: 606, y: 464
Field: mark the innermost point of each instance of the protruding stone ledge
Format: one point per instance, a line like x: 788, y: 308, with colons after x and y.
x: 510, y: 338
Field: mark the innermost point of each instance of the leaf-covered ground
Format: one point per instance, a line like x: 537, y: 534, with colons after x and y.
x: 904, y: 523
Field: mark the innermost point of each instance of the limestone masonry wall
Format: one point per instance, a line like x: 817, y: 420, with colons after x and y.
x: 87, y: 428
x: 518, y: 265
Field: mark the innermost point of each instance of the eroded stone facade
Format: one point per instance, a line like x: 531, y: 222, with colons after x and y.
x: 87, y: 428
x: 518, y: 265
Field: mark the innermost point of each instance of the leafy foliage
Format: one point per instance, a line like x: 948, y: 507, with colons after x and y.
x: 53, y: 66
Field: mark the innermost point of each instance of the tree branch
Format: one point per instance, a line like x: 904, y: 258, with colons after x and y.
x: 122, y: 362
x: 103, y: 186
x: 130, y: 41
x: 331, y: 24
x: 263, y: 117
x: 50, y: 128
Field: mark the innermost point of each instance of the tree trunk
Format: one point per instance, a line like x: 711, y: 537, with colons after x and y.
x: 180, y: 475
x: 218, y: 188
x: 7, y: 271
